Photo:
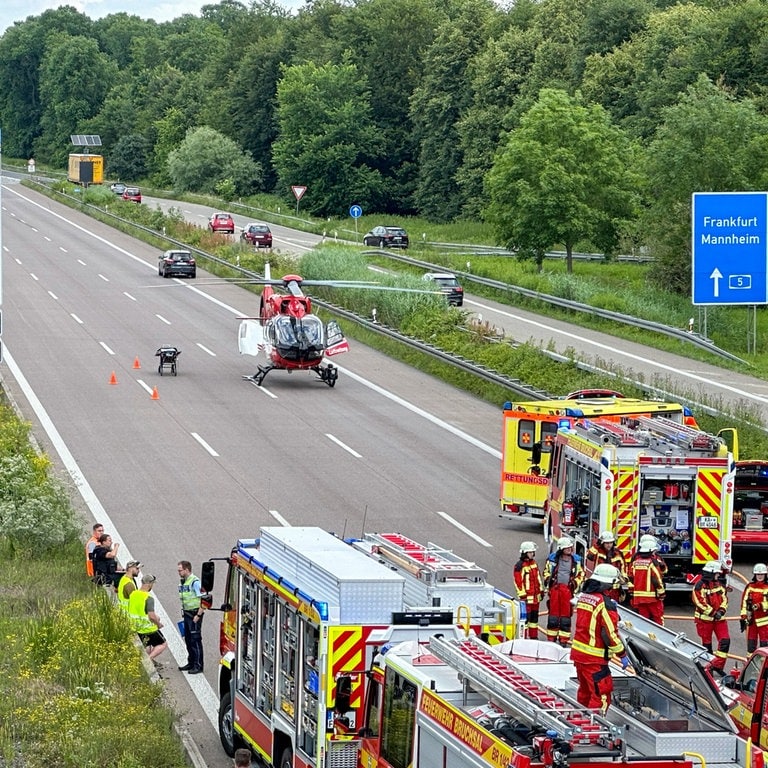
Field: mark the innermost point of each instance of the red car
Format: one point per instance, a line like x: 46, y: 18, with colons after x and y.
x: 221, y: 222
x: 258, y: 235
x: 132, y: 194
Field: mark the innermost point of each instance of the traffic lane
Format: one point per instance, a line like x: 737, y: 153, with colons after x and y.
x: 284, y: 238
x: 698, y: 381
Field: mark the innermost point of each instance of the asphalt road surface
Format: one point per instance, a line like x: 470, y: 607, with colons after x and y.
x: 213, y: 457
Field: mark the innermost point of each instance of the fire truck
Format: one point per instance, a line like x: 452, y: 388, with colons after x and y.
x: 458, y: 703
x: 649, y: 475
x: 746, y: 690
x: 750, y: 504
x: 529, y: 430
x: 305, y: 613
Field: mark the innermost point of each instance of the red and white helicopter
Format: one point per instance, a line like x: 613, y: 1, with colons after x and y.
x: 289, y: 335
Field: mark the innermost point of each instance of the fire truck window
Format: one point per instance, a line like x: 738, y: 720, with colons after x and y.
x: 399, y: 720
x: 374, y: 708
x: 526, y: 434
x: 751, y: 675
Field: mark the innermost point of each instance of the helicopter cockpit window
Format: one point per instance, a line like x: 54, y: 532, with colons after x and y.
x: 306, y: 331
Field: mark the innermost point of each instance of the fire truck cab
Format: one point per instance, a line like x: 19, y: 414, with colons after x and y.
x: 750, y: 504
x: 648, y: 475
x: 529, y: 431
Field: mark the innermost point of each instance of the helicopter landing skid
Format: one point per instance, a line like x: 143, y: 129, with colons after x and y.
x: 258, y: 377
x: 327, y: 373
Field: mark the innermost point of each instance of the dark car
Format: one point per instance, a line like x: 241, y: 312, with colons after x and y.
x: 132, y: 194
x: 177, y: 263
x: 222, y: 222
x: 259, y: 235
x: 118, y: 188
x: 387, y: 237
x: 448, y: 285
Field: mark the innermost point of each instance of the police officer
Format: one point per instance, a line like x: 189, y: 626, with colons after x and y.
x: 647, y: 580
x: 710, y: 599
x: 529, y: 587
x: 754, y: 608
x: 192, y: 611
x: 596, y: 638
x: 563, y: 574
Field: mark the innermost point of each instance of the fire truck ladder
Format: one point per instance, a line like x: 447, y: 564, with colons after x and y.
x: 680, y: 434
x: 429, y: 563
x: 538, y: 704
x: 618, y: 434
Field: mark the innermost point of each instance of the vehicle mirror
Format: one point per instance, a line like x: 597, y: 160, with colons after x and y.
x: 343, y: 694
x: 207, y: 575
x: 536, y: 453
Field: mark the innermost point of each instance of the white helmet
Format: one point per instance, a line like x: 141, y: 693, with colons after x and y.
x: 648, y: 543
x: 527, y: 546
x: 606, y: 537
x: 563, y: 543
x: 760, y: 568
x: 606, y: 573
x: 713, y: 566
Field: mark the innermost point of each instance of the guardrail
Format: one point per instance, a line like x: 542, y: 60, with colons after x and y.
x: 575, y: 306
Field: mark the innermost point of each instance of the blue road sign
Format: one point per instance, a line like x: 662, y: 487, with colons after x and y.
x: 355, y: 211
x: 730, y: 247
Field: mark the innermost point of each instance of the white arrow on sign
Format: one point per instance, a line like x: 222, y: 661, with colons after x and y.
x: 716, y: 276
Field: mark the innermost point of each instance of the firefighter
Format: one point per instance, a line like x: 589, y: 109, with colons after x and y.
x: 596, y: 638
x: 529, y: 587
x: 646, y: 580
x: 563, y: 574
x: 604, y: 550
x: 754, y: 608
x: 710, y: 599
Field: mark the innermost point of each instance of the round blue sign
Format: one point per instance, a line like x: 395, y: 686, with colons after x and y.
x: 355, y: 211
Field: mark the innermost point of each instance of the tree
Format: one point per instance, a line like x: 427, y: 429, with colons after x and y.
x: 206, y: 159
x: 708, y: 142
x: 327, y: 140
x: 562, y: 178
x: 128, y: 158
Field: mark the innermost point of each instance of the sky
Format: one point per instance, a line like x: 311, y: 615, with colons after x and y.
x: 159, y: 10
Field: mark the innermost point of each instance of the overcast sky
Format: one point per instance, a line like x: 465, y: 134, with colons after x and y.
x: 159, y: 10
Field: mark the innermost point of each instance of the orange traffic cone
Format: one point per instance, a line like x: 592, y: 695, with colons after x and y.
x: 113, y: 378
x: 136, y: 363
x: 155, y: 394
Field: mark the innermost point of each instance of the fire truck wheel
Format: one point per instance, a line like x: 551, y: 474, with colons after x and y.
x: 229, y: 738
x: 286, y: 759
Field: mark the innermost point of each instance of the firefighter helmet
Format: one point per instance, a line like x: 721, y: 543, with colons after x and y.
x: 648, y: 543
x: 606, y: 573
x: 606, y: 537
x: 713, y: 566
x: 527, y: 546
x: 760, y: 568
x: 563, y: 543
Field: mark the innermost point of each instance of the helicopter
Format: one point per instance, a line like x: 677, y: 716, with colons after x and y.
x: 290, y: 336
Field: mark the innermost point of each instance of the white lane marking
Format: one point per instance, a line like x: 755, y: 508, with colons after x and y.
x: 17, y: 260
x: 125, y: 293
x: 105, y: 279
x: 34, y: 276
x: 108, y: 350
x: 464, y: 529
x: 646, y: 361
x: 34, y: 229
x: 145, y: 385
x: 343, y: 445
x: 280, y: 519
x: 63, y: 250
x: 424, y: 414
x: 160, y: 317
x: 47, y: 238
x: 263, y: 390
x: 76, y: 318
x: 200, y: 686
x: 53, y: 295
x: 204, y: 444
x: 80, y: 261
x: 205, y: 349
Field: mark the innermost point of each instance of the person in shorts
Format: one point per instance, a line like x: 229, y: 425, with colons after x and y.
x: 141, y: 610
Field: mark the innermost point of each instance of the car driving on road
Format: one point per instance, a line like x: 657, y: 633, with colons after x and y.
x: 222, y: 222
x: 448, y: 285
x: 386, y: 237
x: 180, y: 263
x: 258, y: 235
x: 132, y: 194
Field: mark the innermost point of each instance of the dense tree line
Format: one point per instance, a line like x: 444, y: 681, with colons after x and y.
x: 595, y: 118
